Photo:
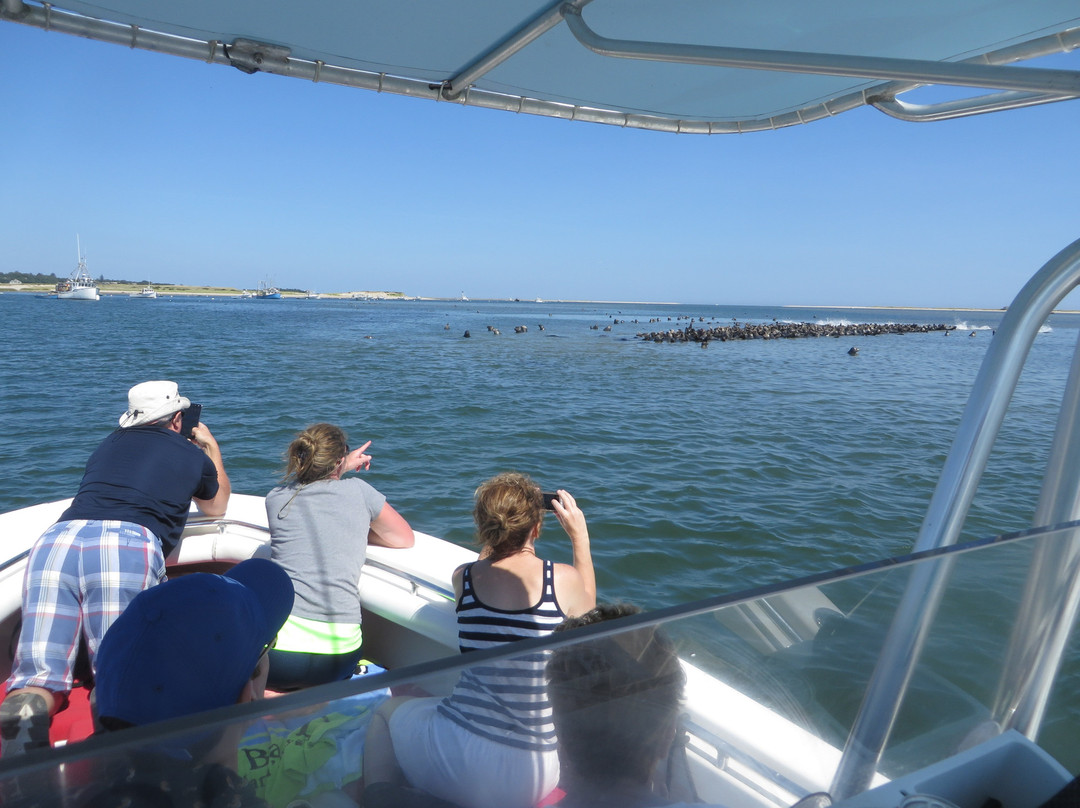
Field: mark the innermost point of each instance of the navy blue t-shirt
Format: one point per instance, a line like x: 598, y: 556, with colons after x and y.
x: 146, y: 475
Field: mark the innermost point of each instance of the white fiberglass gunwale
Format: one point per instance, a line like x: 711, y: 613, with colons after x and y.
x: 690, y: 66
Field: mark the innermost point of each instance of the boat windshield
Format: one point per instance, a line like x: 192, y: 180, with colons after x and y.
x: 771, y: 685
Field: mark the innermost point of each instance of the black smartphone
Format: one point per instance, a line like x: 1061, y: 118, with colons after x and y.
x: 548, y: 499
x: 190, y: 419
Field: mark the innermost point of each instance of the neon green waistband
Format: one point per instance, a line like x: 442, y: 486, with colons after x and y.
x: 317, y: 637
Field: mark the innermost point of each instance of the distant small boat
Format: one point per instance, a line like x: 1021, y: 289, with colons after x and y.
x: 79, y: 286
x: 147, y: 293
x: 246, y: 294
x: 465, y: 299
x: 267, y: 292
x: 313, y: 295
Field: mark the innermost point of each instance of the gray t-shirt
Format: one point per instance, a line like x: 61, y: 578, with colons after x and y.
x: 320, y: 539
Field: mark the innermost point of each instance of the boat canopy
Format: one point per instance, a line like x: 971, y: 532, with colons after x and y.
x: 694, y: 66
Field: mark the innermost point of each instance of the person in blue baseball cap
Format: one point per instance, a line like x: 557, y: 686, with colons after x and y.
x: 193, y: 643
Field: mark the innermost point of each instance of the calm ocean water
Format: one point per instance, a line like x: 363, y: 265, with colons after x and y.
x: 701, y: 471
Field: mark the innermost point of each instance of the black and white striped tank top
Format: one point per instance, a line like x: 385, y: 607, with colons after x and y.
x: 505, y: 701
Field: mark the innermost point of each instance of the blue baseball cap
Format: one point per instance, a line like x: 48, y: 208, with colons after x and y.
x: 190, y: 644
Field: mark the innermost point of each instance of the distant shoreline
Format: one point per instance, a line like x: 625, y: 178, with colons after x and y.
x: 916, y: 308
x: 168, y: 290
x: 558, y: 300
x: 895, y: 308
x: 124, y: 290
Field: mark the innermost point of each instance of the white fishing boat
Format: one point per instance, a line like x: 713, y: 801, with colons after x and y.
x: 146, y: 293
x: 79, y: 285
x: 246, y: 294
x: 930, y: 679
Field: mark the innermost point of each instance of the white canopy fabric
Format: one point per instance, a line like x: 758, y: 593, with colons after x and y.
x: 540, y: 61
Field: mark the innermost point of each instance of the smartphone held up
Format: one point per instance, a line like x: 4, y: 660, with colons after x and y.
x: 190, y: 420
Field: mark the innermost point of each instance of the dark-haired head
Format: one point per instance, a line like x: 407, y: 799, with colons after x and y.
x: 615, y: 699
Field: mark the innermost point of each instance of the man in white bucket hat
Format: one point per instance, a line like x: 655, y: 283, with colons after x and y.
x: 109, y: 545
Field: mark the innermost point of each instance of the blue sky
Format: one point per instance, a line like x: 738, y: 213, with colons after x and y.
x: 178, y: 171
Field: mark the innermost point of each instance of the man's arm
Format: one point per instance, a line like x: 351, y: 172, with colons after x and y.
x: 212, y: 507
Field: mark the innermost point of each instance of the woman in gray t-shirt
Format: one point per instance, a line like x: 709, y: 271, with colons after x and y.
x: 320, y: 527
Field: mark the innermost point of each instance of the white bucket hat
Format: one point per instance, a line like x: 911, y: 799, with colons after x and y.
x: 149, y: 401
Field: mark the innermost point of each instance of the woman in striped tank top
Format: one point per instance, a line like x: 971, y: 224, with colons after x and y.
x: 491, y: 743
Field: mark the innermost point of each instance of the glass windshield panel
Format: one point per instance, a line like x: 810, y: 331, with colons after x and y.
x: 745, y: 700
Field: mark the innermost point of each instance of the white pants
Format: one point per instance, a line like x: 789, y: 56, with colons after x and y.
x: 445, y: 759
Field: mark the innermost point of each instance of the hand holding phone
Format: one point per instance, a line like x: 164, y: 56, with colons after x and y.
x: 548, y: 499
x: 570, y: 517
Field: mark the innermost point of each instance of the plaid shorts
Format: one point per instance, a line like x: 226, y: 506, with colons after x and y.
x: 79, y: 577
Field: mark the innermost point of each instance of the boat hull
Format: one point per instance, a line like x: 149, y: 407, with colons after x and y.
x: 81, y: 293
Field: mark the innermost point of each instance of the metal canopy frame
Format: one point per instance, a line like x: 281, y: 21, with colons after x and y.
x: 1016, y: 86
x: 918, y: 71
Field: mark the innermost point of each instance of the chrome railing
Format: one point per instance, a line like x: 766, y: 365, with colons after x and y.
x: 979, y: 426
